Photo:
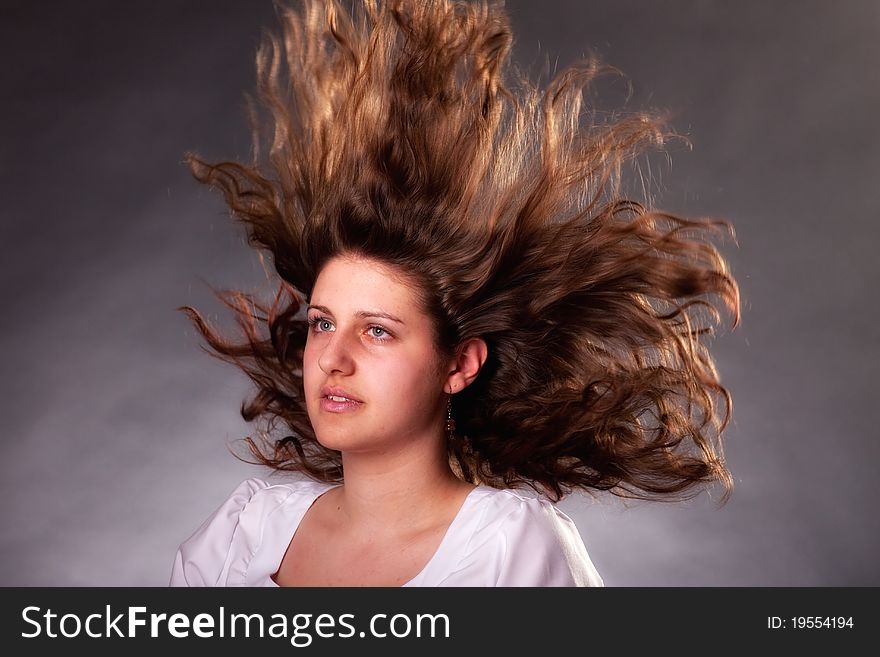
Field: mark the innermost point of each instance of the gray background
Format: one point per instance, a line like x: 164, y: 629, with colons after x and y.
x: 115, y: 423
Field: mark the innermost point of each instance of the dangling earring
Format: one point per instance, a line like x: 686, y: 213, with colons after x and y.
x: 450, y: 423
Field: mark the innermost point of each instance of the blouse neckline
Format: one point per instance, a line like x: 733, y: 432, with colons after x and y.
x: 448, y: 536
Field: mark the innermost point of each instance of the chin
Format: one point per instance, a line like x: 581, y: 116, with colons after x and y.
x: 339, y: 438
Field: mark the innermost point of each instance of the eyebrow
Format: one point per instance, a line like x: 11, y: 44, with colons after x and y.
x: 361, y: 313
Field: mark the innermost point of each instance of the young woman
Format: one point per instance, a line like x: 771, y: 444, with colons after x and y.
x: 468, y: 306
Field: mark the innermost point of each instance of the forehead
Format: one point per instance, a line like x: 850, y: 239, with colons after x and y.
x: 347, y: 285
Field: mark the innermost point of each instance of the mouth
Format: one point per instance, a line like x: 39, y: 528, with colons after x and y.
x: 336, y: 404
x: 339, y: 399
x: 337, y: 394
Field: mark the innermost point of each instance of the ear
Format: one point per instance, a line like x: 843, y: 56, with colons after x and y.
x: 463, y: 369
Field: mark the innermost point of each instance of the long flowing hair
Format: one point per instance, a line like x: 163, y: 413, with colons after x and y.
x: 401, y: 133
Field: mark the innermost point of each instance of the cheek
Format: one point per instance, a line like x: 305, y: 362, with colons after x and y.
x: 306, y: 363
x: 310, y: 354
x: 411, y: 381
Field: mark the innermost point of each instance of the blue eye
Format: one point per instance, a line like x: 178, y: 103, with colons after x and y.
x: 315, y: 321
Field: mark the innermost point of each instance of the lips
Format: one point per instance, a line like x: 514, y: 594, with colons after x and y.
x: 335, y: 391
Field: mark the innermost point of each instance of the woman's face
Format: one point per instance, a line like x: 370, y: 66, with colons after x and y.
x: 371, y: 342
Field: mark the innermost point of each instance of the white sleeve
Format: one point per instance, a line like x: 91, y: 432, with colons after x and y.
x: 542, y: 547
x: 202, y: 559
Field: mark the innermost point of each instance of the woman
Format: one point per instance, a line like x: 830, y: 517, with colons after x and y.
x: 468, y: 306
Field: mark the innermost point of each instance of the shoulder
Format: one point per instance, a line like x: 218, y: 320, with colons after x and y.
x: 205, y: 557
x: 529, y: 541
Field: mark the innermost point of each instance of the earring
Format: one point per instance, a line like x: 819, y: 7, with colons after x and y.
x: 450, y: 423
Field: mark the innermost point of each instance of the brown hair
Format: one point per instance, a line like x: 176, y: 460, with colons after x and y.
x: 401, y: 134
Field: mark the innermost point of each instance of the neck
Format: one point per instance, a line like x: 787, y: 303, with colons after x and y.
x: 396, y: 492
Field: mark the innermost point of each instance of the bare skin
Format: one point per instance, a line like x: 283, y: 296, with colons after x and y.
x: 325, y: 552
x: 383, y: 525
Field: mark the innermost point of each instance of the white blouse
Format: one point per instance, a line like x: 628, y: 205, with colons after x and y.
x: 498, y: 538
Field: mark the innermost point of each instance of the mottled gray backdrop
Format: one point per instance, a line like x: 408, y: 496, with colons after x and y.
x: 115, y: 423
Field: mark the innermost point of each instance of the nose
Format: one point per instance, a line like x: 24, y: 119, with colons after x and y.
x: 336, y: 357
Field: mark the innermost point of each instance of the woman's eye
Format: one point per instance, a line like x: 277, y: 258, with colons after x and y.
x: 378, y: 328
x: 319, y: 323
